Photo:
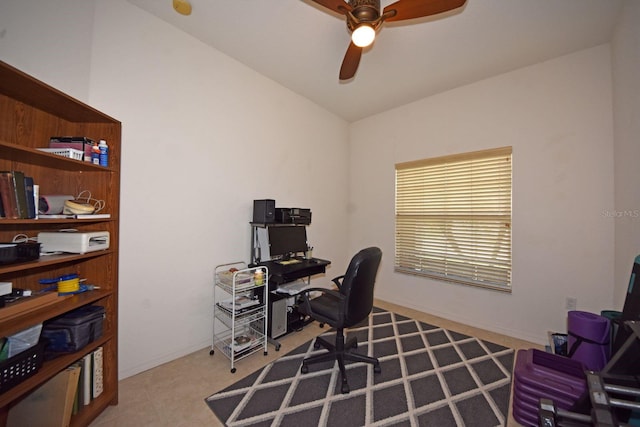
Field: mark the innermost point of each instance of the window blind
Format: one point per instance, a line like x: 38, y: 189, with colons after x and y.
x: 453, y: 218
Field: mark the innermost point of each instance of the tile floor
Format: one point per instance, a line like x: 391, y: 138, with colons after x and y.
x: 172, y: 395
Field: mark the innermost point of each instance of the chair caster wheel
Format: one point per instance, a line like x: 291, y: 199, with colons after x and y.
x: 304, y: 369
x: 233, y: 370
x: 265, y: 353
x: 316, y: 345
x: 377, y: 369
x: 322, y: 325
x: 211, y: 352
x: 345, y: 388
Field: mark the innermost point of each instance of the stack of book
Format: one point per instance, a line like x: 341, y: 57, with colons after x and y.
x: 18, y: 196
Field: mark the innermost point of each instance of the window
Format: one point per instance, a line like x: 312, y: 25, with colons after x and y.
x: 453, y: 218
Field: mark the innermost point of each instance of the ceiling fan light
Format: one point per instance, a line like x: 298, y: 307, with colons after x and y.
x: 363, y: 35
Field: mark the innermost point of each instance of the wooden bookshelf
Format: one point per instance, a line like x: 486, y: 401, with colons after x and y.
x: 31, y: 112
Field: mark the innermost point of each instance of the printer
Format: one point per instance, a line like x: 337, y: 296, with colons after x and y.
x: 73, y: 241
x: 293, y: 216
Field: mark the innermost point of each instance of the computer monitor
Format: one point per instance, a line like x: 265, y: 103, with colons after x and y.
x: 285, y: 240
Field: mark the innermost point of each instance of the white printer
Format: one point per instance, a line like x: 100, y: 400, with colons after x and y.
x: 73, y: 241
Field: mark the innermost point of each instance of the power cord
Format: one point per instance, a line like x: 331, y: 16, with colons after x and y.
x: 23, y: 238
x: 85, y: 197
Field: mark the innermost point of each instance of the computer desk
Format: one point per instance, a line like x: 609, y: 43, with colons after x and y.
x: 282, y: 322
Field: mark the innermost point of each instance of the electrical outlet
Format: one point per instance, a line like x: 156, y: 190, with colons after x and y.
x: 571, y: 303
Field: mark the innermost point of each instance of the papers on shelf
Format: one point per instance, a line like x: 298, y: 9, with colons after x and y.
x: 241, y: 303
x: 74, y: 216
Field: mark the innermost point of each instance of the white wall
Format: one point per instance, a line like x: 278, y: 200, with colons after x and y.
x: 50, y: 40
x: 203, y: 136
x: 626, y: 90
x: 557, y: 116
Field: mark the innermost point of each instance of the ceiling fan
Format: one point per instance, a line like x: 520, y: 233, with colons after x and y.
x: 364, y: 19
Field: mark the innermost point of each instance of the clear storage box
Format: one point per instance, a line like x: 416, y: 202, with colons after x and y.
x: 23, y: 340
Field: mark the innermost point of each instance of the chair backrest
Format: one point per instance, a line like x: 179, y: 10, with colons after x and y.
x: 358, y: 283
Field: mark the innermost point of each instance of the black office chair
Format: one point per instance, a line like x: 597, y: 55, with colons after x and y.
x: 345, y: 307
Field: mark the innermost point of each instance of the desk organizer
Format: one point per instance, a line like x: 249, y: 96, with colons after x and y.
x: 23, y: 365
x: 539, y: 375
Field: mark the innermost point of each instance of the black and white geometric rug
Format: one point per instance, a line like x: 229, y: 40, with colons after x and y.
x: 430, y: 377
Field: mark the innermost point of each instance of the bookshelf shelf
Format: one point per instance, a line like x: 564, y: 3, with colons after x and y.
x: 31, y: 112
x: 51, y: 259
x: 35, y: 156
x: 51, y: 368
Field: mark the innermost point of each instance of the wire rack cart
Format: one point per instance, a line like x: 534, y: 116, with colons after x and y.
x: 240, y: 310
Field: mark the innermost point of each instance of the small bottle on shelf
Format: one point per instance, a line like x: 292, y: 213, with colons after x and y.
x: 258, y: 277
x: 104, y: 153
x: 95, y: 155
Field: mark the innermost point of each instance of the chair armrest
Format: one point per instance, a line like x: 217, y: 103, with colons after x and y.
x: 338, y: 281
x: 331, y: 292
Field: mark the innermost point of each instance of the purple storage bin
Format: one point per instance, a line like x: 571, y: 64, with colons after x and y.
x: 539, y: 375
x: 531, y: 395
x: 524, y: 416
x: 588, y: 339
x: 526, y: 406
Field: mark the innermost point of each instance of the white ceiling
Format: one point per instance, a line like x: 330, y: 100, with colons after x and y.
x: 299, y: 45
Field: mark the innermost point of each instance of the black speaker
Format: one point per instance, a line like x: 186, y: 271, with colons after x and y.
x: 264, y: 211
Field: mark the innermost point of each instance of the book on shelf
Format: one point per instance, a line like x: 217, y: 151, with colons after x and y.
x: 30, y: 200
x: 36, y: 199
x: 21, y: 194
x: 8, y: 195
x: 91, y: 378
x: 87, y: 372
x: 97, y: 386
x: 17, y: 195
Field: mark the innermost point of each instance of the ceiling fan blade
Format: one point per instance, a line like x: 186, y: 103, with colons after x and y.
x: 409, y: 9
x: 350, y: 62
x: 339, y: 6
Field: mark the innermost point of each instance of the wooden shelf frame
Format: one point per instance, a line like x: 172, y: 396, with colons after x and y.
x: 31, y: 112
